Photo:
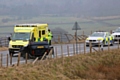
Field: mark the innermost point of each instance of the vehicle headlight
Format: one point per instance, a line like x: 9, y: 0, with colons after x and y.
x: 26, y: 45
x: 99, y: 40
x: 87, y: 39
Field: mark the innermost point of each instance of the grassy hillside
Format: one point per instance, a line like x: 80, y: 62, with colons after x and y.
x: 103, y: 65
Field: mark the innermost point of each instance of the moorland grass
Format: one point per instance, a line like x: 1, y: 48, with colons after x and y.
x: 102, y: 65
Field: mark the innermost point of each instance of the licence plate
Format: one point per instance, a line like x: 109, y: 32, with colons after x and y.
x: 16, y: 51
x: 40, y: 46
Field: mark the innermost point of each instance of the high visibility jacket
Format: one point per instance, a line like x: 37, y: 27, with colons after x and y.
x: 106, y: 39
x: 49, y: 35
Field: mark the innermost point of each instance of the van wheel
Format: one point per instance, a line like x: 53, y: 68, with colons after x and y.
x: 11, y: 54
x: 112, y: 43
x: 24, y: 55
x: 87, y: 45
x: 53, y: 55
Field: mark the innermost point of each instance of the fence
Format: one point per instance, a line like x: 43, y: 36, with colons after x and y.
x: 64, y: 50
x: 57, y: 39
x: 4, y: 42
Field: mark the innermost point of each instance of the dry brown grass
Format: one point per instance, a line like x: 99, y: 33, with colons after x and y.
x: 3, y: 48
x: 97, y: 66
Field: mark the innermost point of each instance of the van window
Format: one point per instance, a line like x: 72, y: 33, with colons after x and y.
x: 43, y: 32
x: 39, y: 33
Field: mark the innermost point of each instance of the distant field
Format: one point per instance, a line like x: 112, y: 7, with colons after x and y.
x: 66, y: 23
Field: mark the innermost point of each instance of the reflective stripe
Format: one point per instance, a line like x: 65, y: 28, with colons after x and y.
x: 106, y: 39
x: 110, y: 38
x: 38, y: 39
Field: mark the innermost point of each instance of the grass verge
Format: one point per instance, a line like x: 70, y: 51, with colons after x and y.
x: 102, y: 65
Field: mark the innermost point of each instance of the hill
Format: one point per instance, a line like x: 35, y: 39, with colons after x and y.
x: 102, y: 65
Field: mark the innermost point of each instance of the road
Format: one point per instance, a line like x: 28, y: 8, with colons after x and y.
x: 59, y: 49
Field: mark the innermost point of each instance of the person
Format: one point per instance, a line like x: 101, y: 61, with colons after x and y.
x: 50, y: 36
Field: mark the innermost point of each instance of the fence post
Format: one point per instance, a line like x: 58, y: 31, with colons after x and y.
x: 90, y: 47
x: 18, y: 62
x: 84, y: 47
x: 1, y: 60
x: 79, y: 48
x: 62, y: 50
x: 7, y: 61
x: 35, y: 61
x: 58, y: 38
x: 56, y: 51
x: 118, y: 43
x: 108, y: 45
x: 67, y: 38
x: 11, y: 59
x: 44, y: 56
x: 26, y: 58
x: 73, y: 49
x: 68, y: 50
x: 99, y: 45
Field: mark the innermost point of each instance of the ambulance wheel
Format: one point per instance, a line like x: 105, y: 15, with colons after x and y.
x: 112, y: 43
x: 11, y: 54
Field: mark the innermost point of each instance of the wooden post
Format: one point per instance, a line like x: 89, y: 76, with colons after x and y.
x: 79, y: 48
x: 62, y: 50
x: 67, y: 38
x: 73, y: 49
x: 56, y: 51
x: 35, y: 61
x: 84, y: 48
x: 11, y: 59
x: 90, y: 47
x: 68, y: 50
x: 61, y: 38
x: 108, y: 45
x: 118, y: 43
x: 1, y: 60
x: 50, y: 53
x: 43, y: 56
x: 26, y: 58
x: 18, y: 62
x: 58, y: 38
x: 99, y: 45
x: 7, y: 61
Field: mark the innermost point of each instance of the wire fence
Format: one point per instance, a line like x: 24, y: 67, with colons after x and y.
x: 58, y: 38
x: 63, y: 50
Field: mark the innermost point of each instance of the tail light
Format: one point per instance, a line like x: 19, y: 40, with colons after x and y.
x: 47, y: 50
x: 33, y: 52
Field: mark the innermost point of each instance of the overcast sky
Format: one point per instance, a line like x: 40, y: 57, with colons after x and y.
x: 81, y: 7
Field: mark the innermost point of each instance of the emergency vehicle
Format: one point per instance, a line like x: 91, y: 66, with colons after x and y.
x: 24, y: 34
x: 100, y: 38
x: 116, y: 34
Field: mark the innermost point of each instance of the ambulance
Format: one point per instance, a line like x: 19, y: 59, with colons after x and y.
x: 24, y: 34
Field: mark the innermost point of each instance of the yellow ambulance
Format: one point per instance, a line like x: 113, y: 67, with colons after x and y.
x: 24, y: 34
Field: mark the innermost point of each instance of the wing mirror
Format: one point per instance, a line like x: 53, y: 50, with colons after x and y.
x: 9, y: 38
